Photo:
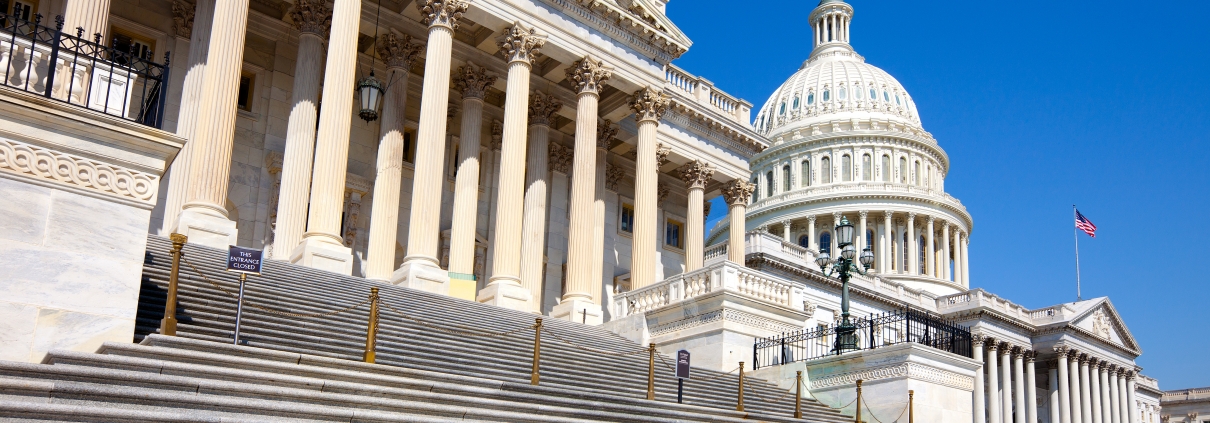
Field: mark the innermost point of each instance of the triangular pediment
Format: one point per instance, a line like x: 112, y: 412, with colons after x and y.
x: 1103, y: 322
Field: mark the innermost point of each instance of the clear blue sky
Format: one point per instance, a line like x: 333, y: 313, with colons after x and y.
x: 1103, y: 104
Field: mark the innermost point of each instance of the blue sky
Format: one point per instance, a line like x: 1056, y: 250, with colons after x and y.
x: 1100, y: 103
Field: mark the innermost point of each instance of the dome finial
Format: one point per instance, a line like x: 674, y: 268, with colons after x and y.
x: 830, y: 22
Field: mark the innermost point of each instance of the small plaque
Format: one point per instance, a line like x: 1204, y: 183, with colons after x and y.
x: 682, y: 364
x: 244, y: 260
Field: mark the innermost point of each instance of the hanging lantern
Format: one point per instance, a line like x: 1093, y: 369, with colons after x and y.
x: 369, y: 94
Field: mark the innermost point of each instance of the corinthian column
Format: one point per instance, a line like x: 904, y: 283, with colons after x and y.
x: 1077, y: 409
x: 1115, y: 397
x: 945, y: 251
x: 588, y: 76
x: 473, y: 83
x: 913, y: 248
x: 649, y: 104
x: 1106, y: 407
x: 191, y: 102
x: 313, y: 18
x: 1019, y: 386
x: 519, y: 45
x: 1132, y: 404
x: 203, y: 217
x: 542, y: 109
x: 322, y: 246
x: 399, y: 52
x: 993, y: 384
x: 1094, y: 389
x: 605, y: 134
x: 930, y: 260
x: 92, y: 15
x: 888, y: 236
x: 1031, y: 388
x: 737, y: 194
x: 420, y: 269
x: 978, y: 395
x: 1064, y: 383
x: 696, y: 174
x: 1006, y: 379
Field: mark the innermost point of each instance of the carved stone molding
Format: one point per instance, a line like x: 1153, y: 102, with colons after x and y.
x: 497, y: 135
x: 605, y: 133
x: 542, y: 108
x: 473, y: 81
x: 442, y: 12
x: 45, y: 165
x: 312, y: 16
x: 398, y: 50
x: 587, y: 75
x: 649, y: 104
x: 725, y: 315
x: 914, y: 371
x: 182, y: 18
x: 706, y: 209
x: 661, y: 155
x: 738, y: 191
x: 696, y: 174
x: 613, y: 176
x: 661, y: 192
x: 560, y: 158
x: 521, y: 44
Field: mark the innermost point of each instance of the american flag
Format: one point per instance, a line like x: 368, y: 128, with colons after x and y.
x: 1085, y: 225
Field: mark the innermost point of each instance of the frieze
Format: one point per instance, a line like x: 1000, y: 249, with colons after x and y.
x: 48, y: 165
x: 914, y: 371
x: 725, y: 315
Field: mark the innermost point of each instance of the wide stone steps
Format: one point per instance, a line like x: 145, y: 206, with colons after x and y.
x: 207, y: 314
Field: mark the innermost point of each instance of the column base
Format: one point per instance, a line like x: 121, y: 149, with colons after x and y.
x: 324, y: 254
x: 424, y: 276
x: 507, y: 294
x: 207, y: 228
x: 579, y: 311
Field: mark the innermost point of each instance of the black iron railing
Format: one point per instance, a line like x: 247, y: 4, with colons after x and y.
x: 86, y: 73
x: 880, y: 330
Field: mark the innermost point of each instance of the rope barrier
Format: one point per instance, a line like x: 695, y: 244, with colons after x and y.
x: 266, y: 309
x: 590, y: 349
x: 452, y: 331
x: 707, y: 379
x: 901, y: 413
x: 759, y: 397
x: 826, y: 404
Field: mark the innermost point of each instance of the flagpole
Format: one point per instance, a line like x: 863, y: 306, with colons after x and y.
x: 1076, y: 235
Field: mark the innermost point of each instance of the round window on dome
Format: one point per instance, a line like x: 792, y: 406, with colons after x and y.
x: 873, y: 94
x: 810, y: 99
x: 841, y: 93
x: 827, y: 95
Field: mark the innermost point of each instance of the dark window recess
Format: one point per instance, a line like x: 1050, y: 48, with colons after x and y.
x: 245, y: 93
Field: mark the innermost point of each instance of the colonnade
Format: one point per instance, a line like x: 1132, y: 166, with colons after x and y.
x: 1082, y: 388
x: 310, y: 204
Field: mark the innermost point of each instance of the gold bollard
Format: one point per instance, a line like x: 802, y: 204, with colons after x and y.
x: 651, y: 371
x: 168, y: 324
x: 858, y: 418
x: 739, y: 405
x: 911, y: 406
x: 798, y: 397
x: 533, y: 376
x: 372, y: 328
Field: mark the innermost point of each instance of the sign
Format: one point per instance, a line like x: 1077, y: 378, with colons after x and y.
x: 244, y: 260
x: 682, y: 364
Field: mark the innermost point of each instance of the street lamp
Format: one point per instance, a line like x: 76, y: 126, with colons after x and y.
x: 846, y: 333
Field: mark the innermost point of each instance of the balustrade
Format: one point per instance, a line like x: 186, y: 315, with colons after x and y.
x: 703, y: 92
x: 721, y: 276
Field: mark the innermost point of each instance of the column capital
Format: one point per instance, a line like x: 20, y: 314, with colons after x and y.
x: 889, y: 214
x: 605, y: 133
x: 661, y: 192
x: 445, y: 13
x: 497, y: 135
x: 863, y: 213
x: 661, y: 155
x: 473, y: 81
x: 1018, y: 352
x: 521, y: 44
x: 182, y: 18
x: 1102, y: 365
x: 738, y: 191
x: 542, y: 108
x: 1082, y: 358
x: 613, y: 176
x: 588, y: 75
x: 1031, y: 356
x: 811, y: 218
x: 1061, y: 350
x: 836, y: 218
x: 911, y: 217
x: 560, y: 158
x: 649, y: 104
x: 696, y: 174
x: 311, y: 17
x: 397, y: 50
x: 992, y: 345
x: 931, y: 219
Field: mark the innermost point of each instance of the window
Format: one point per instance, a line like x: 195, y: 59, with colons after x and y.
x: 886, y: 97
x: 846, y: 168
x: 841, y: 94
x: 795, y: 102
x: 873, y: 94
x: 827, y: 95
x: 916, y: 174
x: 781, y: 111
x: 857, y: 92
x: 826, y: 168
x: 246, y: 85
x: 921, y: 255
x: 886, y: 168
x: 673, y: 231
x: 409, y: 152
x: 25, y: 9
x: 824, y: 341
x: 806, y: 173
x: 769, y: 183
x: 906, y: 248
x: 897, y: 99
x: 867, y: 167
x: 810, y: 99
x: 825, y: 243
x: 755, y: 192
x: 903, y: 170
x: 869, y: 242
x: 626, y: 220
x: 132, y: 44
x: 785, y: 178
x: 804, y: 241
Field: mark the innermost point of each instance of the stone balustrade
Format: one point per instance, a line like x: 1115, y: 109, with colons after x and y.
x: 704, y: 93
x: 719, y: 276
x: 980, y: 298
x: 764, y: 242
x: 716, y: 253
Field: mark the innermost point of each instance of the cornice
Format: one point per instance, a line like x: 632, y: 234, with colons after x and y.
x: 760, y: 208
x: 625, y: 27
x: 781, y: 148
x: 714, y: 127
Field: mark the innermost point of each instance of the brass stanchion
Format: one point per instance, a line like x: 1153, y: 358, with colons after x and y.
x: 533, y: 376
x: 372, y: 328
x: 739, y: 405
x: 911, y: 406
x: 858, y: 418
x: 168, y: 323
x: 651, y: 371
x: 798, y: 397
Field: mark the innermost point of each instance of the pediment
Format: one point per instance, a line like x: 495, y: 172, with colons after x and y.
x: 1103, y: 322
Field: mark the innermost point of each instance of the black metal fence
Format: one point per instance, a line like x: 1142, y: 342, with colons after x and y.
x: 86, y: 73
x: 880, y: 330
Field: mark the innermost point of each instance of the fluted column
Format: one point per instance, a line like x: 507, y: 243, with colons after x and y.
x: 1085, y: 391
x: 312, y: 17
x: 945, y: 251
x: 1132, y: 405
x: 1106, y: 407
x: 588, y: 76
x: 994, y: 401
x: 473, y: 82
x: 542, y: 108
x: 1018, y: 391
x: 1115, y: 400
x: 887, y: 250
x: 913, y: 247
x: 1006, y: 390
x: 1031, y: 388
x: 862, y: 243
x: 811, y: 233
x: 191, y: 102
x: 930, y: 260
x: 1077, y: 408
x: 203, y: 217
x: 1123, y: 396
x: 605, y: 135
x: 958, y: 257
x: 979, y: 406
x: 520, y: 46
x: 322, y: 246
x: 420, y: 268
x: 649, y: 104
x: 696, y: 174
x: 737, y: 194
x: 1053, y: 416
x: 92, y: 15
x: 966, y: 264
x: 1064, y: 383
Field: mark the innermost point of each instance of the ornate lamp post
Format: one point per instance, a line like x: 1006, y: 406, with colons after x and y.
x: 846, y: 333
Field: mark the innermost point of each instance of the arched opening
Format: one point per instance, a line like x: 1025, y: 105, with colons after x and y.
x: 886, y: 168
x: 805, y: 176
x: 785, y: 178
x: 921, y: 247
x: 846, y: 168
x: 825, y: 243
x: 756, y: 192
x: 903, y: 170
x: 869, y: 242
x: 867, y: 167
x: 804, y: 241
x: 826, y: 164
x: 916, y: 174
x: 769, y: 183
